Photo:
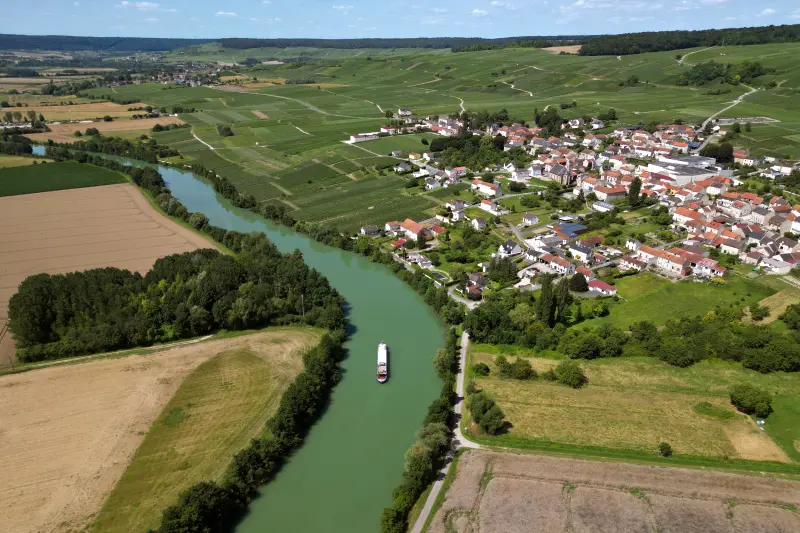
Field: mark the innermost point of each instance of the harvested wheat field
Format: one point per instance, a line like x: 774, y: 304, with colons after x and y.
x: 65, y: 132
x: 507, y: 493
x: 70, y: 431
x: 81, y: 229
x: 83, y: 111
x: 570, y: 49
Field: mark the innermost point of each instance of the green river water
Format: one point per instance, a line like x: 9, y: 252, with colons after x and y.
x: 342, y: 477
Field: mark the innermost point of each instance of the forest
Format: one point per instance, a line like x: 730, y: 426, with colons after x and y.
x: 415, y: 42
x: 109, y: 44
x: 702, y: 73
x: 639, y: 43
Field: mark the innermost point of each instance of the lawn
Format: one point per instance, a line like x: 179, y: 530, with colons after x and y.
x: 636, y: 403
x: 218, y: 408
x: 54, y: 177
x: 649, y: 297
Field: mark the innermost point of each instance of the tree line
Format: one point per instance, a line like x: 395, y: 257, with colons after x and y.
x: 415, y: 42
x: 734, y: 74
x: 14, y: 143
x: 144, y: 150
x: 639, y: 43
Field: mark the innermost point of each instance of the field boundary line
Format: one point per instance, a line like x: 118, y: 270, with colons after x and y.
x: 284, y: 190
x: 202, y: 141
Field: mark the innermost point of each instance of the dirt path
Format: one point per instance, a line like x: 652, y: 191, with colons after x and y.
x: 733, y: 104
x: 284, y: 190
x: 202, y: 141
x: 426, y: 82
x: 301, y: 102
x: 461, y: 100
x: 301, y: 131
x: 683, y: 57
x: 521, y: 90
x: 69, y: 431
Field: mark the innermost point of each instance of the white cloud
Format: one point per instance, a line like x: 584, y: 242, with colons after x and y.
x: 253, y: 19
x: 439, y: 10
x: 266, y: 2
x: 795, y: 14
x: 686, y: 5
x: 714, y: 2
x: 225, y: 14
x: 76, y: 4
x: 497, y: 4
x: 145, y: 6
x: 151, y: 19
x: 479, y: 12
x: 767, y: 12
x: 342, y: 7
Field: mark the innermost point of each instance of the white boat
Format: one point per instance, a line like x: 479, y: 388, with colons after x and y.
x: 383, y: 363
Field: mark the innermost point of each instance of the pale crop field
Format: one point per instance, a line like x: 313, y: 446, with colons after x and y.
x: 504, y: 493
x: 70, y: 431
x: 66, y: 132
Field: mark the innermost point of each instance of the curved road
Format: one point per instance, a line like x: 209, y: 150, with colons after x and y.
x: 459, y: 441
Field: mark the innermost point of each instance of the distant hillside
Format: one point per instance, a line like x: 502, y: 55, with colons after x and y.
x: 638, y: 43
x: 64, y: 43
x: 417, y: 42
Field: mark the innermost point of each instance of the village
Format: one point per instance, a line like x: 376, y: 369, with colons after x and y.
x: 639, y: 200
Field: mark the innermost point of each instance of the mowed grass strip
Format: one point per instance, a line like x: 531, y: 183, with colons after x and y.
x: 7, y: 161
x: 54, y: 177
x: 218, y: 408
x: 636, y: 403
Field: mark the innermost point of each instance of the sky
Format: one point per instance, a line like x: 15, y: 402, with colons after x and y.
x: 385, y: 18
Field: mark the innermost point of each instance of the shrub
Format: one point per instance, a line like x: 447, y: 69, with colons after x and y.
x: 758, y: 312
x: 571, y: 374
x: 578, y: 283
x: 486, y: 413
x: 751, y: 400
x: 522, y: 369
x: 665, y: 449
x: 550, y: 375
x: 480, y: 369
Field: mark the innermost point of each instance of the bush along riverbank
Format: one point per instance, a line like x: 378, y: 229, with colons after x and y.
x: 427, y: 455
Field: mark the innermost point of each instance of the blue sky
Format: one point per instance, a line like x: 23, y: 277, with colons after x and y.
x: 384, y: 18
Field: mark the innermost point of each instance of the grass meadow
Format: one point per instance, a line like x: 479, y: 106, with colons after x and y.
x: 54, y: 177
x: 635, y: 403
x: 218, y: 408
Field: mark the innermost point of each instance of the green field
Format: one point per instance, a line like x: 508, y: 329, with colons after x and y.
x: 54, y: 177
x: 277, y: 157
x: 634, y: 404
x: 649, y: 297
x: 218, y: 408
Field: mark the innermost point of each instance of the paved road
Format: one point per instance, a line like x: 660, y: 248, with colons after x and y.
x: 459, y: 441
x: 518, y: 235
x: 470, y: 304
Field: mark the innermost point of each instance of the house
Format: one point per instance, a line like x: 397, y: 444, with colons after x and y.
x: 631, y: 263
x: 362, y: 137
x: 602, y: 287
x: 609, y: 194
x: 521, y: 176
x: 431, y: 184
x: 457, y: 172
x: 588, y: 274
x: 392, y: 227
x: 682, y: 215
x: 490, y: 206
x: 414, y: 156
x: 400, y: 242
x: 569, y: 232
x: 402, y: 167
x: 603, y: 207
x: 371, y: 231
x: 743, y: 158
x: 509, y: 249
x: 731, y: 247
x: 529, y: 219
x: 397, y: 153
x: 582, y: 253
x: 456, y: 205
x: 597, y: 124
x: 403, y: 112
x: 479, y: 224
x: 576, y: 123
x: 632, y: 244
x: 413, y: 230
x: 488, y: 189
x: 558, y: 264
x: 457, y: 216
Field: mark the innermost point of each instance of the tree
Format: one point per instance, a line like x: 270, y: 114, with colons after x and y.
x: 748, y: 127
x: 563, y: 301
x: 481, y: 369
x: 665, y: 449
x: 571, y: 374
x: 521, y: 369
x: 634, y: 196
x: 388, y: 113
x: 577, y: 283
x: 108, y: 118
x: 546, y: 305
x: 751, y: 400
x: 758, y: 312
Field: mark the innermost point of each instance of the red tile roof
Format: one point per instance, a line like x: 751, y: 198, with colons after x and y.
x: 602, y: 285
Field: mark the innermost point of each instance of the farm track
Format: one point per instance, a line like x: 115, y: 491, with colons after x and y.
x: 301, y: 102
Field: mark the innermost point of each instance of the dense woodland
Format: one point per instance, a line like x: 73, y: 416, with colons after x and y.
x: 14, y: 144
x: 415, y: 42
x: 71, y: 43
x: 703, y: 73
x: 148, y: 150
x: 639, y: 43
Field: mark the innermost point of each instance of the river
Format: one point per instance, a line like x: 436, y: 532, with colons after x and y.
x: 343, y: 476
